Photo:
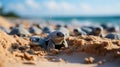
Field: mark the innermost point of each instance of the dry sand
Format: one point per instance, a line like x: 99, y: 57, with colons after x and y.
x: 14, y: 52
x: 4, y: 22
x: 74, y: 60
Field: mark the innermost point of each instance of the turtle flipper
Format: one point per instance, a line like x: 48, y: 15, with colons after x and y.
x: 50, y: 46
x: 44, y: 46
x: 65, y: 44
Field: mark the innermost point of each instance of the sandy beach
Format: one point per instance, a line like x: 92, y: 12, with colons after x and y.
x: 75, y: 59
x: 83, y: 51
x: 59, y: 33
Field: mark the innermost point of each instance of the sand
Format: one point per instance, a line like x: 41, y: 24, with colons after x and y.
x: 4, y: 22
x: 100, y: 52
x: 74, y: 60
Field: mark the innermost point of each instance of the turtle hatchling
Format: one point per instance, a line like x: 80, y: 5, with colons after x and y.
x: 38, y: 41
x: 111, y: 27
x: 87, y: 30
x: 97, y: 31
x: 114, y: 28
x: 47, y: 29
x: 35, y: 30
x: 56, y: 40
x: 64, y: 30
x: 20, y: 31
x: 113, y: 36
x: 78, y: 31
x: 93, y: 30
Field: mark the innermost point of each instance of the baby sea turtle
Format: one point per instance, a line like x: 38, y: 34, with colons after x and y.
x: 114, y: 28
x: 56, y: 40
x: 19, y: 25
x: 97, y: 31
x: 20, y: 31
x: 38, y: 41
x: 58, y: 26
x: 87, y: 30
x: 93, y: 30
x: 34, y: 30
x: 64, y: 30
x: 111, y: 27
x: 78, y: 31
x: 47, y: 29
x: 37, y: 25
x: 113, y: 36
x: 66, y: 26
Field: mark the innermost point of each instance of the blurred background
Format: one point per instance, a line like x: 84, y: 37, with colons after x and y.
x: 66, y: 11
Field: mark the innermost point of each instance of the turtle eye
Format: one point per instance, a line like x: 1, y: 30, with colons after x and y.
x: 23, y: 35
x: 18, y: 35
x: 35, y: 39
x: 59, y: 34
x: 75, y: 30
x: 97, y: 29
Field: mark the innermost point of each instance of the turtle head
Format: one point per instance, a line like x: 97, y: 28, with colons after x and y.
x: 76, y: 30
x: 60, y: 34
x: 98, y: 30
x: 36, y: 40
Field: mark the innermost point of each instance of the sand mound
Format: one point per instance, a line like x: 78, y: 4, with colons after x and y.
x: 5, y: 23
x: 6, y: 40
x: 94, y: 45
x: 15, y: 49
x: 5, y: 43
x: 19, y: 49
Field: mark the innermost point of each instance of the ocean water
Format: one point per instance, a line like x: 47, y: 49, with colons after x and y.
x: 109, y: 19
x: 77, y: 20
x: 80, y: 20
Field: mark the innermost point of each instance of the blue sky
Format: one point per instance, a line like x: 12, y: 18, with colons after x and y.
x: 62, y: 7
